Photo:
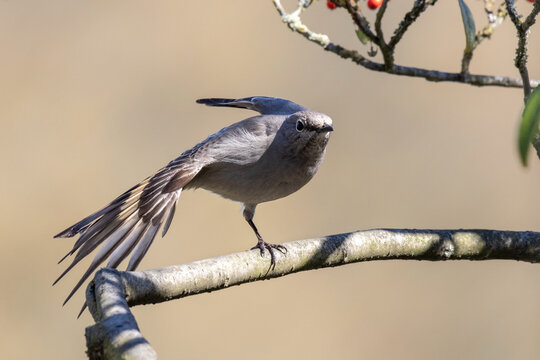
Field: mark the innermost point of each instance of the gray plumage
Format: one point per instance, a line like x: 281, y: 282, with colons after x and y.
x: 259, y: 159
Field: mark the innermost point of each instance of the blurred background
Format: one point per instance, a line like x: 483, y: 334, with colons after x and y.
x: 97, y: 95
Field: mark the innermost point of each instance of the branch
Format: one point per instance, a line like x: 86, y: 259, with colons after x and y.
x: 387, y: 51
x: 294, y: 22
x: 430, y: 75
x: 108, y: 296
x: 495, y: 18
x: 358, y: 18
x: 418, y: 8
x: 116, y: 334
x: 522, y: 28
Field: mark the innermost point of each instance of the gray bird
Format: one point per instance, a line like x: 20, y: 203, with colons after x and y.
x: 258, y: 159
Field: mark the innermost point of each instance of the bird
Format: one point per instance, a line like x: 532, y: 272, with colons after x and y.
x: 256, y: 160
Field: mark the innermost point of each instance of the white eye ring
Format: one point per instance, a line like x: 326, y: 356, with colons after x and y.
x: 300, y: 125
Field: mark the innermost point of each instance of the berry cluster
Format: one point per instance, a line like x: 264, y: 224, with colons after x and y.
x: 372, y: 4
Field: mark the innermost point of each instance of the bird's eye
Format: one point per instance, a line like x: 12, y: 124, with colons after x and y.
x: 299, y: 125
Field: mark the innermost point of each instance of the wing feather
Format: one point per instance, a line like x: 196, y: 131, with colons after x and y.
x: 129, y: 224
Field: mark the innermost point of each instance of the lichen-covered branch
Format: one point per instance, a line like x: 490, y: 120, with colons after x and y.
x: 294, y: 22
x: 495, y: 18
x: 116, y: 335
x: 360, y: 20
x: 418, y: 8
x: 387, y: 51
x: 522, y: 28
x: 430, y: 75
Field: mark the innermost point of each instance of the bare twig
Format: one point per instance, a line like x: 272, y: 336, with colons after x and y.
x: 418, y: 8
x: 109, y: 295
x: 294, y: 22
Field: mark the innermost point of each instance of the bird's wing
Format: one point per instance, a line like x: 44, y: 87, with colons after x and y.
x: 129, y: 224
x: 263, y: 104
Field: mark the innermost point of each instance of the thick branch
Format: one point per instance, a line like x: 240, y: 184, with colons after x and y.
x: 116, y: 334
x: 109, y: 295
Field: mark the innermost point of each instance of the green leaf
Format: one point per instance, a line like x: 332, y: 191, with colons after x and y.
x: 529, y: 124
x: 361, y: 36
x: 468, y: 24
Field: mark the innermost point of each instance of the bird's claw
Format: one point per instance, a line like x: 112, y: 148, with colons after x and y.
x: 262, y: 245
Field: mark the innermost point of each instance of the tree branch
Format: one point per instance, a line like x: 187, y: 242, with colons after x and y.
x: 522, y: 29
x: 294, y: 22
x: 116, y: 334
x: 360, y: 20
x: 418, y: 8
x: 387, y: 51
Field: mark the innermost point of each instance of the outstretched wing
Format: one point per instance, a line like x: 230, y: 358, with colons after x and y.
x: 130, y: 223
x: 263, y: 104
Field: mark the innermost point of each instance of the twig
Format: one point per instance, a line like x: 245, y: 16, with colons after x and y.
x: 360, y: 20
x: 522, y: 28
x: 109, y: 295
x: 387, y: 52
x: 418, y: 8
x: 294, y: 22
x: 485, y: 33
x: 494, y: 20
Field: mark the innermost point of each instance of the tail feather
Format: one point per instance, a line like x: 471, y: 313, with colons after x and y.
x: 90, y: 243
x: 126, y: 246
x: 103, y: 226
x: 142, y: 246
x: 100, y: 257
x: 170, y: 214
x: 82, y: 225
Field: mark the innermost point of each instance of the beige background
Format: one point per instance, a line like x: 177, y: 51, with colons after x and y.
x: 96, y: 95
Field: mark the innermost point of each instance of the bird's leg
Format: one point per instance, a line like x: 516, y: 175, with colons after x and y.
x: 249, y: 211
x: 261, y: 245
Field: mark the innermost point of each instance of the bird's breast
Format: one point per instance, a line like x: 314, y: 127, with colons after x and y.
x: 259, y: 182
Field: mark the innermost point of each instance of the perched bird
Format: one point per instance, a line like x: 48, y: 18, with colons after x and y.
x: 258, y: 159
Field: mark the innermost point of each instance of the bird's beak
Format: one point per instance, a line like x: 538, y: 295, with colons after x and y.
x: 326, y: 128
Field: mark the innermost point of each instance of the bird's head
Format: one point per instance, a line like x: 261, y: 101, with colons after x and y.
x: 308, y: 130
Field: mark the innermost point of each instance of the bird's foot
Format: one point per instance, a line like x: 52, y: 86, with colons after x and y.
x: 261, y: 245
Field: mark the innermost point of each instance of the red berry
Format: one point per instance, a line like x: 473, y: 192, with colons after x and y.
x: 531, y: 0
x: 332, y: 6
x: 373, y: 4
